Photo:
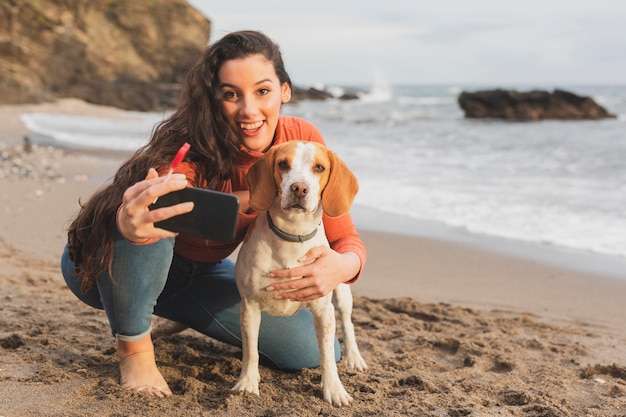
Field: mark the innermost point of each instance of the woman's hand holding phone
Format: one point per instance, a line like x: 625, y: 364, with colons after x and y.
x: 136, y: 221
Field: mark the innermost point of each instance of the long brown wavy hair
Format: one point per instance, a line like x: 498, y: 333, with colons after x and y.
x: 198, y: 120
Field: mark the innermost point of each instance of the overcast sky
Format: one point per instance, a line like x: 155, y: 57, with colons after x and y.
x: 494, y: 42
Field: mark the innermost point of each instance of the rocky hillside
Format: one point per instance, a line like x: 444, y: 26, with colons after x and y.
x: 126, y: 53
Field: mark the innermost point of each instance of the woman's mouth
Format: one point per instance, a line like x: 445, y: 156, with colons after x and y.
x: 251, y: 129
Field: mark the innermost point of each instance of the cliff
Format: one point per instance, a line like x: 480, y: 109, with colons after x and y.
x: 125, y: 53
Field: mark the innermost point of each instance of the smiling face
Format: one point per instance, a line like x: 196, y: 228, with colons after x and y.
x: 252, y: 96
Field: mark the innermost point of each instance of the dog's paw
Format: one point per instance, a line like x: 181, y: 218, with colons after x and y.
x: 337, y: 397
x: 247, y: 383
x: 354, y: 360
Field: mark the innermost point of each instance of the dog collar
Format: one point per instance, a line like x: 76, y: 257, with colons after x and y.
x: 288, y: 236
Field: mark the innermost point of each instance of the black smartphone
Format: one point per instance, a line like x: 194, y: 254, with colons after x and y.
x: 214, y: 215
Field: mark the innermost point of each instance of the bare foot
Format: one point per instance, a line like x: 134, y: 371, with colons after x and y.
x: 138, y: 370
x: 164, y: 327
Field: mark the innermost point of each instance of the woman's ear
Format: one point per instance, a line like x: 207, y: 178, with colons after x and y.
x: 286, y: 93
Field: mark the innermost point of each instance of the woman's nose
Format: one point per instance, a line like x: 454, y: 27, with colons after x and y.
x: 248, y: 106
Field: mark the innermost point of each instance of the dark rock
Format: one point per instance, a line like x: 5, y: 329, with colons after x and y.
x: 313, y: 93
x: 128, y: 54
x: 532, y: 105
x: 349, y: 96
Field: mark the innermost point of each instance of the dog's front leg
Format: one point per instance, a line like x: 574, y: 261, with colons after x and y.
x: 333, y: 390
x: 249, y: 378
x: 342, y: 298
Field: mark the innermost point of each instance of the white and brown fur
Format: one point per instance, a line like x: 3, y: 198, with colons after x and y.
x: 295, y: 182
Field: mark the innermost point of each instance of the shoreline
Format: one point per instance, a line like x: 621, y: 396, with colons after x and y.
x: 454, y: 266
x: 577, y: 260
x: 438, y: 271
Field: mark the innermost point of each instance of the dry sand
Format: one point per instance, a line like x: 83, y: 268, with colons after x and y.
x: 447, y: 329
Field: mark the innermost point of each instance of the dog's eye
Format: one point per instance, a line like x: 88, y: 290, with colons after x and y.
x: 283, y: 166
x: 319, y: 168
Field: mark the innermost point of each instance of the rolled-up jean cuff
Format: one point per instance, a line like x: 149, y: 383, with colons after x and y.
x: 125, y: 338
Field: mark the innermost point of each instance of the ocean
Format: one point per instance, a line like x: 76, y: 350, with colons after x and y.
x: 554, y: 183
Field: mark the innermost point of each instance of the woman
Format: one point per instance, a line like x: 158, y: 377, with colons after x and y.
x: 117, y: 260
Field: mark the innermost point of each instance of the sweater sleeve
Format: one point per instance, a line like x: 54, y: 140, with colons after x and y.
x: 343, y: 237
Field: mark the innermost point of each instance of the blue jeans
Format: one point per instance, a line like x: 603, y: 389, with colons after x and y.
x: 152, y: 279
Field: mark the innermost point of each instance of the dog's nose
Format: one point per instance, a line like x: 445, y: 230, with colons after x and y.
x: 299, y: 189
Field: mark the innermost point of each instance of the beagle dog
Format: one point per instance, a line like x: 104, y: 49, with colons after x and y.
x: 291, y: 185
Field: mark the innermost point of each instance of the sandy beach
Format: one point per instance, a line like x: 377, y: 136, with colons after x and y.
x: 465, y: 327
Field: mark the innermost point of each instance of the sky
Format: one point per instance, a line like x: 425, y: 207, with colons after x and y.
x: 484, y: 42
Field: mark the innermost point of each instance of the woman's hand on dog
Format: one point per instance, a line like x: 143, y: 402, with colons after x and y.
x: 322, y: 271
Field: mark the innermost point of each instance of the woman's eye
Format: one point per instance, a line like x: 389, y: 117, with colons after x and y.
x: 229, y: 95
x: 264, y: 91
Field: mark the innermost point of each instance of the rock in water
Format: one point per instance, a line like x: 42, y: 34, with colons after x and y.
x: 532, y: 105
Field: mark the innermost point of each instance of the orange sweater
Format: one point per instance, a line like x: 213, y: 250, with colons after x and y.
x: 340, y: 231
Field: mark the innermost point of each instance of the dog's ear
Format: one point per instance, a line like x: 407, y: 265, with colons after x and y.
x: 260, y: 180
x: 341, y: 188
